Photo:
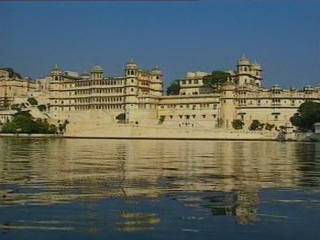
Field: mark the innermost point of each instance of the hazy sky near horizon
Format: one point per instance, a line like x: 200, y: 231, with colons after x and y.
x: 204, y: 35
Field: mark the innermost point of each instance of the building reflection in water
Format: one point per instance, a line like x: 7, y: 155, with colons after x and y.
x: 227, y: 176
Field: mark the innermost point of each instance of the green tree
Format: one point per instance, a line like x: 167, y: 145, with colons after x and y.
x: 237, y: 124
x: 42, y: 108
x: 121, y: 117
x: 269, y: 126
x: 32, y: 101
x: 216, y: 79
x: 308, y: 114
x: 219, y: 123
x: 12, y: 73
x: 174, y: 88
x: 161, y: 119
x: 23, y: 122
x: 6, y: 102
x: 256, y: 125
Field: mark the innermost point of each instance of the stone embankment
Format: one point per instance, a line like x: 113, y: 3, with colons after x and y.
x: 127, y: 131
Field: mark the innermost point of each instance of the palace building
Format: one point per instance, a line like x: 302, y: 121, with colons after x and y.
x: 138, y: 97
x: 13, y: 85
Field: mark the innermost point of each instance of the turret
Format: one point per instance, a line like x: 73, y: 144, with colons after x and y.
x: 228, y: 107
x: 96, y: 73
x: 244, y: 71
x: 257, y: 73
x: 131, y: 68
x: 56, y: 73
x: 157, y: 80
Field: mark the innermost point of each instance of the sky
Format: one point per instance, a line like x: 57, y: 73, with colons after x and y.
x: 178, y: 36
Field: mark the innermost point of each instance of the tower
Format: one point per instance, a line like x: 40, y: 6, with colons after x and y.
x: 56, y: 73
x: 228, y: 106
x: 96, y: 73
x: 244, y: 71
x: 157, y: 81
x: 131, y: 89
x: 257, y: 73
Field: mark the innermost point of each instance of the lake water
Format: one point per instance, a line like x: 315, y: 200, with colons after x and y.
x: 124, y: 189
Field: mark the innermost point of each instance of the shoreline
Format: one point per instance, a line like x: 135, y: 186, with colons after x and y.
x: 32, y: 135
x: 23, y: 135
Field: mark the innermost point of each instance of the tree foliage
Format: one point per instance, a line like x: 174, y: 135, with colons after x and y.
x: 269, y: 126
x: 32, y: 101
x: 42, y: 108
x: 12, y: 73
x: 216, y: 79
x: 174, y: 88
x: 121, y: 116
x: 256, y: 125
x: 307, y: 115
x: 237, y: 124
x: 23, y: 122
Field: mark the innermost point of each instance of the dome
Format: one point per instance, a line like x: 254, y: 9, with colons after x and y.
x: 256, y: 66
x: 132, y: 64
x: 56, y: 68
x: 96, y: 68
x: 243, y: 61
x: 156, y: 71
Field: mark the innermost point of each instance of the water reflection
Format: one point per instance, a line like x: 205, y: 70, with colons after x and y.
x: 223, y: 178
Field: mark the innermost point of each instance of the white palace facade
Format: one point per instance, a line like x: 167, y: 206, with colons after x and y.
x: 137, y: 98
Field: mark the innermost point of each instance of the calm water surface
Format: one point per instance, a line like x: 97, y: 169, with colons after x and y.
x: 122, y: 189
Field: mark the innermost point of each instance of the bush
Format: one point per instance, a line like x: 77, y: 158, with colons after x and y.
x: 23, y: 122
x: 32, y: 101
x: 256, y: 125
x: 42, y: 108
x: 174, y: 88
x: 269, y: 126
x: 308, y: 114
x: 237, y: 124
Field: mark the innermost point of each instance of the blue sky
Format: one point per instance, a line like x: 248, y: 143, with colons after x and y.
x: 282, y: 35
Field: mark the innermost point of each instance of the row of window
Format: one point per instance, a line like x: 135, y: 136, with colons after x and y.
x: 183, y: 82
x: 274, y: 101
x: 105, y: 99
x: 194, y: 116
x: 106, y: 90
x: 87, y: 107
x: 188, y: 106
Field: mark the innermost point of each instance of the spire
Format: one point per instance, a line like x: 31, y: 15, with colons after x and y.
x: 131, y: 60
x: 243, y: 60
x: 56, y: 68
